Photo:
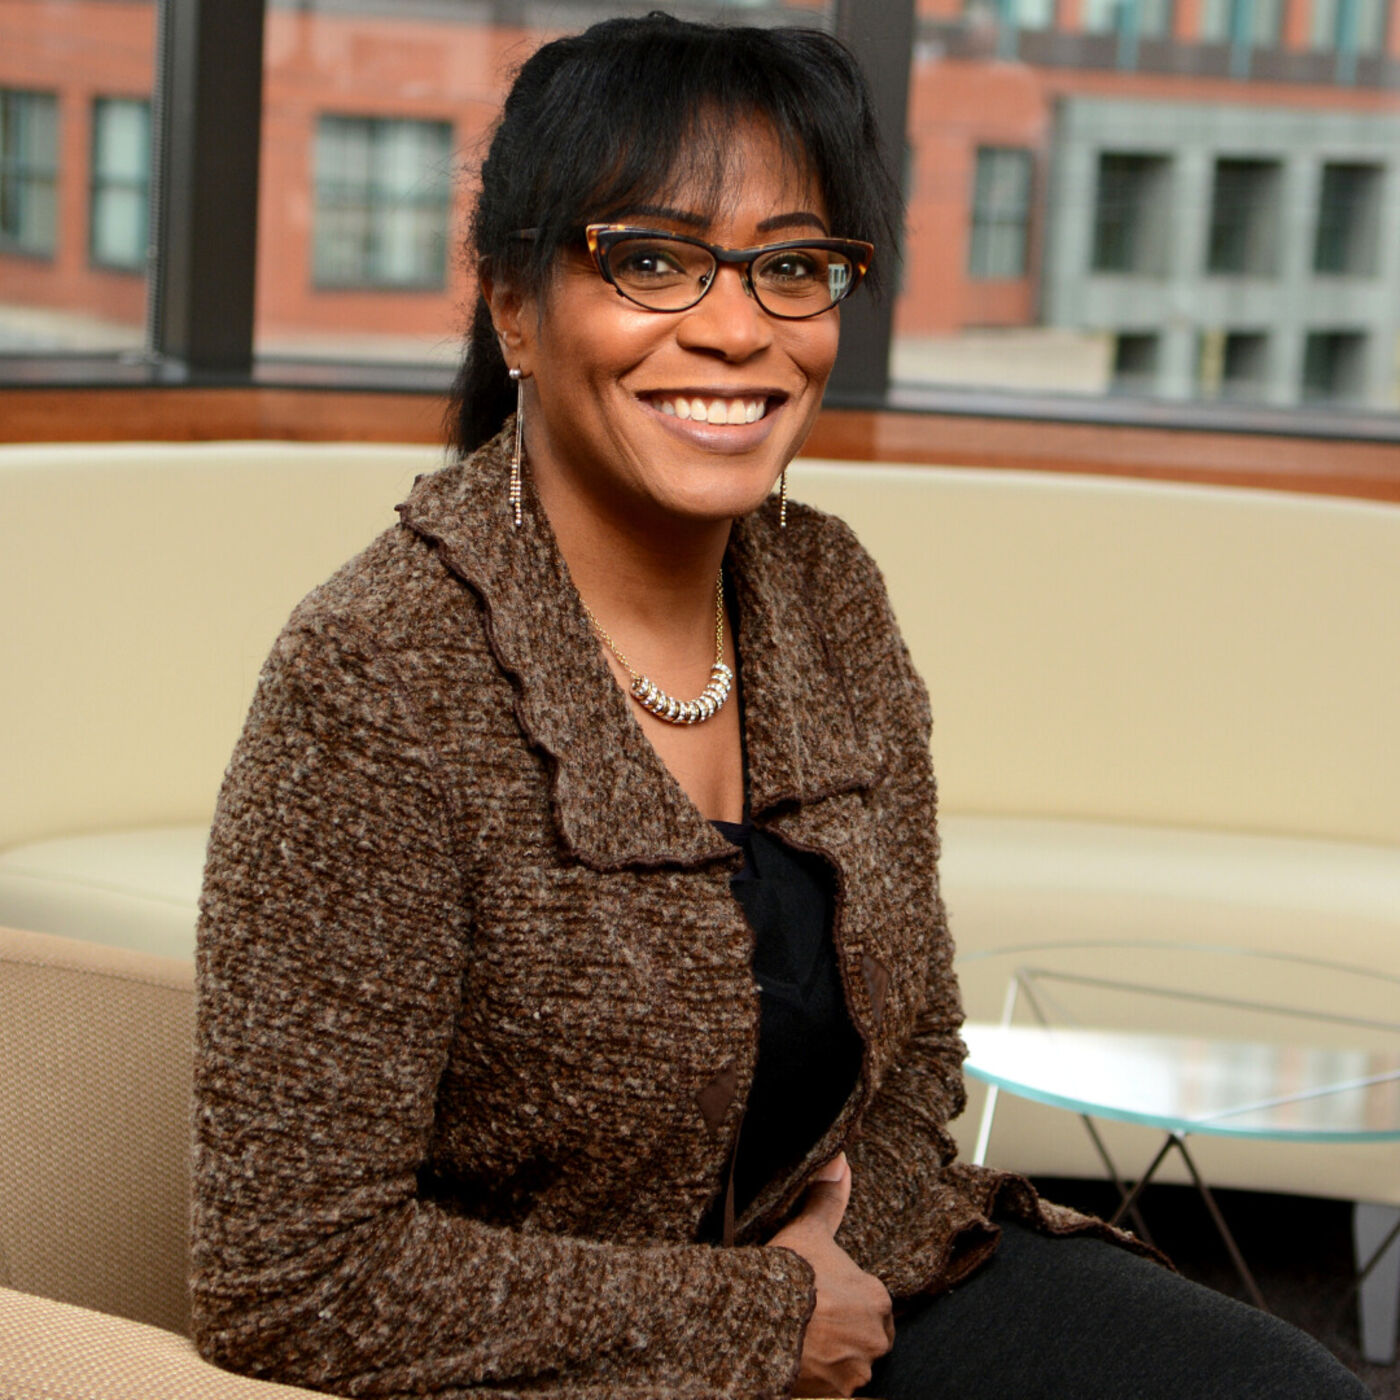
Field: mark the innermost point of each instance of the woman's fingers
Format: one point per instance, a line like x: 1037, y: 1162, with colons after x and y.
x: 829, y: 1193
x: 853, y: 1320
x: 851, y: 1325
x: 833, y: 1170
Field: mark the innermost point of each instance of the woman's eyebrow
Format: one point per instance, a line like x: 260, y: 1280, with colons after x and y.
x: 800, y: 218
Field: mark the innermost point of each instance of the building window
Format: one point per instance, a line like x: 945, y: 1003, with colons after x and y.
x: 1019, y: 14
x: 1001, y: 212
x: 121, y: 183
x: 28, y: 171
x: 1334, y: 367
x: 1348, y: 26
x: 383, y: 195
x: 1244, y: 217
x: 1234, y: 365
x: 1256, y: 23
x: 1132, y: 210
x: 1148, y: 19
x: 1348, y: 219
x: 1135, y: 355
x: 1245, y: 366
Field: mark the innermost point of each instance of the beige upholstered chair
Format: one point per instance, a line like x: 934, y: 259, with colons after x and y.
x: 95, y: 1071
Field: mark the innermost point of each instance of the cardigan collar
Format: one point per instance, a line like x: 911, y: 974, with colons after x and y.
x: 615, y: 802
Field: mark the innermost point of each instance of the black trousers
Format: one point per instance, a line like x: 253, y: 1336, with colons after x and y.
x: 1080, y: 1319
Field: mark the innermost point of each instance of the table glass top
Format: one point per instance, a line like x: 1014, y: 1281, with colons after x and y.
x: 1190, y: 1039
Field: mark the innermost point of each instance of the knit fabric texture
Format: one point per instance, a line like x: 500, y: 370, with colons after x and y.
x: 477, y: 1020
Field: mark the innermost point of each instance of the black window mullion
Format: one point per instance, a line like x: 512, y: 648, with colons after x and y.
x: 881, y: 34
x: 208, y: 133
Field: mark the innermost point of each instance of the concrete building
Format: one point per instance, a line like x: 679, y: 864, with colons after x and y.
x: 1233, y: 250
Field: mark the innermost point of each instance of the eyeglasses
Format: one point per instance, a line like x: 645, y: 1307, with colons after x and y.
x: 664, y: 271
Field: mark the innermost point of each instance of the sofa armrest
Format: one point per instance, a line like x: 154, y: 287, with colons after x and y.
x: 55, y: 1351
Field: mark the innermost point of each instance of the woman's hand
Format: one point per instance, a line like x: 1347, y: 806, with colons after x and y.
x: 853, y: 1322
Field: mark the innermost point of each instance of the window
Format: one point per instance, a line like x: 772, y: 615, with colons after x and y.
x: 1001, y: 211
x: 1146, y: 205
x: 1348, y: 26
x: 1244, y: 217
x: 1234, y: 365
x: 1135, y: 362
x: 1131, y: 213
x: 28, y: 171
x: 1348, y: 219
x: 1020, y: 14
x: 121, y: 183
x: 1245, y: 366
x: 1334, y: 367
x: 1147, y: 18
x: 1258, y: 23
x: 383, y: 192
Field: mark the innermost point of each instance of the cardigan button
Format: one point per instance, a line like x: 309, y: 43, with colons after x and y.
x: 877, y: 985
x: 714, y: 1099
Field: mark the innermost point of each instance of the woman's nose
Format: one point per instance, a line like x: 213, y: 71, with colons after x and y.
x: 727, y: 320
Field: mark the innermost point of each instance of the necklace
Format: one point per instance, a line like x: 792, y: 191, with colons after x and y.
x: 652, y: 698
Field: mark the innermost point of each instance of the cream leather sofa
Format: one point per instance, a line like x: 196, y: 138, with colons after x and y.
x: 1162, y: 712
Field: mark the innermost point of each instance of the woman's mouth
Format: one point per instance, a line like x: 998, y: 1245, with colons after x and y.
x: 711, y: 408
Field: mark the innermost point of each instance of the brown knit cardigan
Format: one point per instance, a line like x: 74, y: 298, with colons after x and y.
x: 477, y: 1021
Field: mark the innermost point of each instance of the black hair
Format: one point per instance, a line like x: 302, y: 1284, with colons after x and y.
x: 631, y: 109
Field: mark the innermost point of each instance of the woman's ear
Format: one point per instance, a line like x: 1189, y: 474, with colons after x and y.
x: 512, y: 316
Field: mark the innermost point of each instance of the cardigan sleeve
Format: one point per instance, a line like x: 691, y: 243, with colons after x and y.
x: 331, y: 949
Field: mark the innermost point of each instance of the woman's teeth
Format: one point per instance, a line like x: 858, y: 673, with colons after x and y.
x: 715, y: 410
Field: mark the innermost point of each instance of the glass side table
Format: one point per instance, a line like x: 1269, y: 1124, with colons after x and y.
x: 1189, y: 1039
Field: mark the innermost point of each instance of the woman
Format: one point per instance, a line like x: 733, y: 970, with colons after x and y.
x: 487, y: 1099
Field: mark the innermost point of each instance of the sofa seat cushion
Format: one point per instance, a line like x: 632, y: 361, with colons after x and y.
x: 54, y: 1351
x: 1009, y: 881
x: 130, y: 889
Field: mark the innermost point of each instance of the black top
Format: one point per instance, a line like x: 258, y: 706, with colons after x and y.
x: 808, y: 1052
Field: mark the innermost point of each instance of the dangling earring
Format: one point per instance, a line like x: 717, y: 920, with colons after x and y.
x: 782, y: 500
x: 516, y: 493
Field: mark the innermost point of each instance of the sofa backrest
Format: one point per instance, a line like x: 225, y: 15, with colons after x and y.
x: 96, y: 1059
x: 1120, y: 650
x: 143, y: 585
x: 1100, y: 649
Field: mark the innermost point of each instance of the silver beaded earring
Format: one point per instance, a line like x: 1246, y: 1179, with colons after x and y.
x: 516, y: 493
x: 782, y: 500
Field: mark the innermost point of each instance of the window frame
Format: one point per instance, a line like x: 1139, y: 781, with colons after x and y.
x: 207, y: 127
x: 101, y: 183
x: 377, y: 200
x: 989, y: 218
x: 26, y: 176
x: 1130, y: 184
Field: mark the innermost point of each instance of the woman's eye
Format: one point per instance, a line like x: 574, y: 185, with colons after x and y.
x: 792, y: 268
x: 646, y: 263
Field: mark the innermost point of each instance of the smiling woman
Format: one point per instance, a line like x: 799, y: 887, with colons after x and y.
x: 576, y: 1007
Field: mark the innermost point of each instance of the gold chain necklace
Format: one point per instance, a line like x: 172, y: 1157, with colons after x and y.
x: 651, y: 697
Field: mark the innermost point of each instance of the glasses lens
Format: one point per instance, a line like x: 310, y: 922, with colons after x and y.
x: 660, y: 273
x: 802, y: 281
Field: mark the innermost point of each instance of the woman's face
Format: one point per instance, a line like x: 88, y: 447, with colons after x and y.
x: 610, y: 409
